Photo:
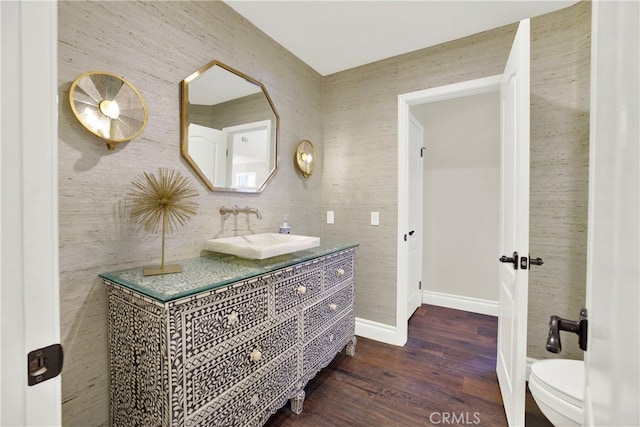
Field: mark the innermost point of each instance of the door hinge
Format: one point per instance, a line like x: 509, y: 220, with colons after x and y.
x: 420, y: 284
x: 44, y: 364
x: 422, y: 151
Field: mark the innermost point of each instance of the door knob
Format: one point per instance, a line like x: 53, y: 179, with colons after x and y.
x: 535, y: 261
x: 510, y: 260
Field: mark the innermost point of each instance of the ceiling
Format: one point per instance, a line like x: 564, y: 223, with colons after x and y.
x: 332, y: 35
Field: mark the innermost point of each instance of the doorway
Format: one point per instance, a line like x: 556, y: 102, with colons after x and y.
x: 514, y: 211
x: 461, y: 193
x: 407, y: 103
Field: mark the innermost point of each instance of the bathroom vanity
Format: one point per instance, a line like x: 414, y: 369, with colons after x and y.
x: 228, y: 341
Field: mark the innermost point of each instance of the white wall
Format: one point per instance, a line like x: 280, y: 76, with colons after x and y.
x: 461, y: 195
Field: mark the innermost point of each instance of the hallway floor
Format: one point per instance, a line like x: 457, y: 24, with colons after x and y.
x: 444, y: 375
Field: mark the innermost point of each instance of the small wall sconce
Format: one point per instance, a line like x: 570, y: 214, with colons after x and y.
x: 306, y: 158
x: 108, y: 106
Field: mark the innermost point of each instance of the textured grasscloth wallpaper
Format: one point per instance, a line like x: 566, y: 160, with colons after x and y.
x: 155, y: 45
x: 360, y: 123
x: 560, y: 80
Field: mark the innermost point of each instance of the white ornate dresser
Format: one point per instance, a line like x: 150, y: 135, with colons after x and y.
x: 228, y: 341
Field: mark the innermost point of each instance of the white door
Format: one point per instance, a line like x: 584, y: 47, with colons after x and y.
x: 208, y: 148
x: 414, y: 235
x: 249, y: 152
x: 612, y: 359
x: 29, y: 292
x: 514, y: 228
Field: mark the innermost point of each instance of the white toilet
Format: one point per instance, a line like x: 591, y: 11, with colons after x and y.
x: 557, y: 386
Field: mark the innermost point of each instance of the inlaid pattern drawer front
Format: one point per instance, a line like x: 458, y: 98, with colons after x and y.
x: 338, y: 269
x: 297, y: 286
x: 209, y: 375
x: 320, y: 350
x: 243, y: 405
x: 209, y: 321
x: 326, y: 311
x: 138, y: 347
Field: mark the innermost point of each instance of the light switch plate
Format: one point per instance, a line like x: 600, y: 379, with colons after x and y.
x: 329, y: 217
x: 375, y: 218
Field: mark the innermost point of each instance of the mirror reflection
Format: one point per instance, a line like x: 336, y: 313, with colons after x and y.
x: 229, y: 129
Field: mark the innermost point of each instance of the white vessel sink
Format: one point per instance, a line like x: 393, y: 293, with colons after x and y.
x: 261, y: 246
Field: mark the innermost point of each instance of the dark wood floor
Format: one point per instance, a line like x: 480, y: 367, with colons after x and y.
x: 444, y: 375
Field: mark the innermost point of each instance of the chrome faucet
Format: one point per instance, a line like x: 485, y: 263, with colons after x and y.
x: 248, y: 210
x: 235, y: 210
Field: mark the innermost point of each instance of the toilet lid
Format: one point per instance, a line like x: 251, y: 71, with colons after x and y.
x: 564, y: 378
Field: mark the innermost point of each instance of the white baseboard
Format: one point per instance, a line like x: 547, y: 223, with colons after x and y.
x: 376, y: 331
x: 458, y: 302
x: 388, y: 334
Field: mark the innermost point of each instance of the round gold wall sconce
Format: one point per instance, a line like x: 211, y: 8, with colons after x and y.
x: 108, y: 106
x: 306, y: 158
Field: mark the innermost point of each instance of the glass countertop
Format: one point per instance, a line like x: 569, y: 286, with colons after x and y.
x: 212, y: 271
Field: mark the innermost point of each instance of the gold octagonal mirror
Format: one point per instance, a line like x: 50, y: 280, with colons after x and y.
x: 229, y: 132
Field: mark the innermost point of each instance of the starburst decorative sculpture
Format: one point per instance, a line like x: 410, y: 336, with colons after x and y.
x: 162, y: 203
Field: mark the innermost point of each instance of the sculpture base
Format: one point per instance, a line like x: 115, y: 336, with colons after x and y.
x: 156, y: 270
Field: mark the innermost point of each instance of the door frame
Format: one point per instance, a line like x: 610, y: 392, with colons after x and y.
x: 29, y: 299
x: 612, y: 379
x: 405, y: 101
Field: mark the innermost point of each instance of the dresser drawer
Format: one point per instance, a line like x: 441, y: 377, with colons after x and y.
x: 338, y: 269
x: 210, y: 374
x: 324, y: 312
x: 206, y: 322
x: 319, y: 351
x: 297, y: 286
x: 250, y: 402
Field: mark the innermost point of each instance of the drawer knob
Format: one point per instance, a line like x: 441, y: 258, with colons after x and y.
x: 340, y: 271
x: 333, y: 307
x: 232, y: 318
x: 255, y: 355
x: 301, y: 290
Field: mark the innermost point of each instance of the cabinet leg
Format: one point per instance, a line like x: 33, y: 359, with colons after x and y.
x: 297, y: 401
x: 350, y: 348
